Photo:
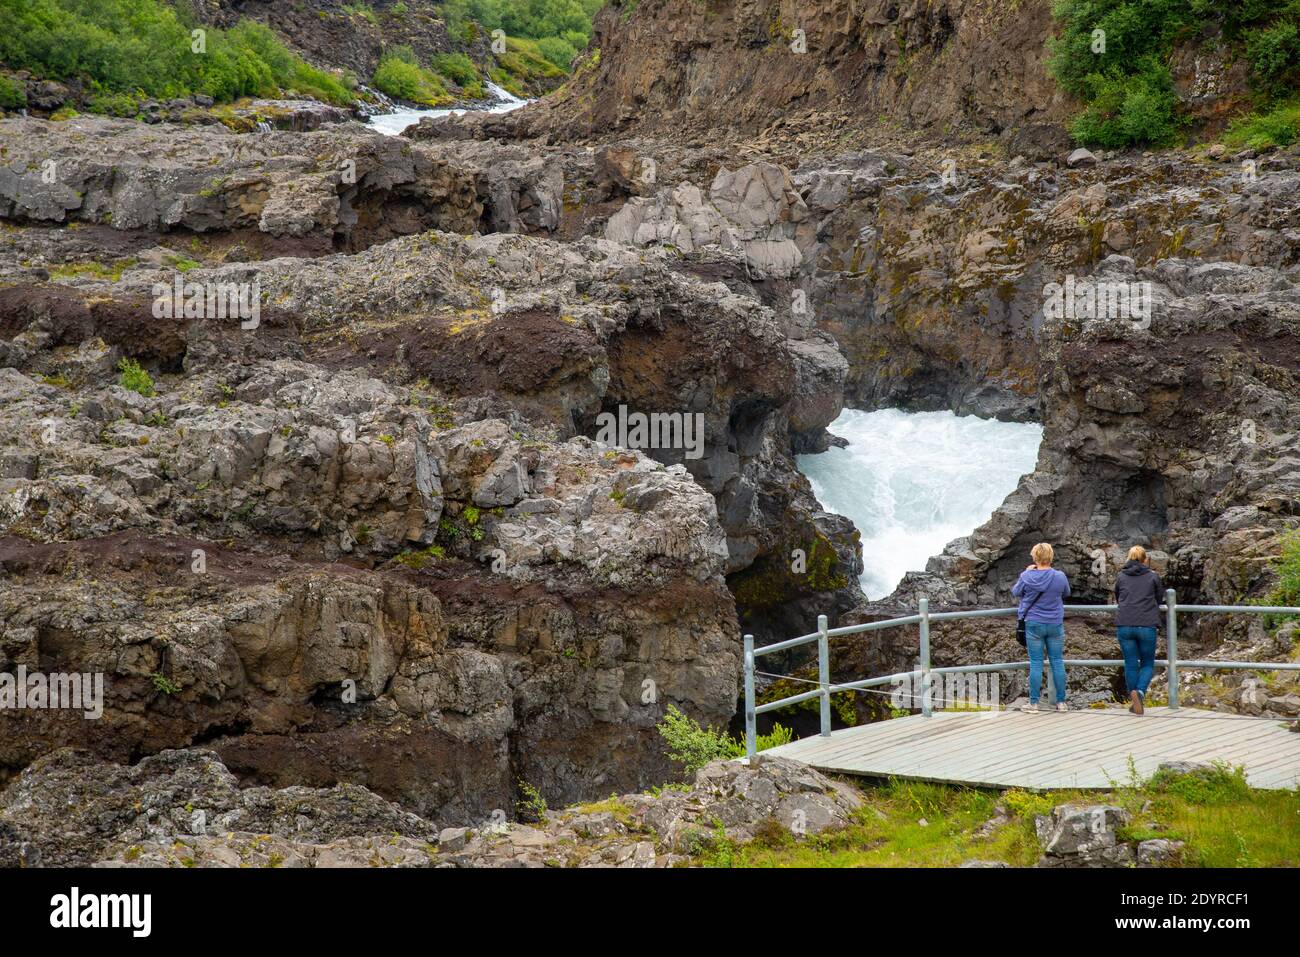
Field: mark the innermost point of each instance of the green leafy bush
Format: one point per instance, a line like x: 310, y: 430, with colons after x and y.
x: 1274, y: 55
x: 1276, y: 127
x: 567, y: 23
x: 523, y: 61
x: 559, y: 51
x: 461, y: 70
x: 115, y: 104
x: 12, y: 95
x: 1287, y: 568
x: 1114, y: 55
x: 693, y: 746
x: 1217, y: 784
x: 531, y: 807
x: 400, y: 76
x: 146, y: 47
x: 1128, y: 109
x: 135, y: 378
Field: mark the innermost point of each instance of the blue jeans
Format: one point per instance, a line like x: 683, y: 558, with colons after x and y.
x: 1139, y: 647
x: 1038, y: 634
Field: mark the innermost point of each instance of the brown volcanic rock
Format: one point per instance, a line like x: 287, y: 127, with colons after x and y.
x: 669, y: 65
x: 344, y: 187
x: 549, y: 596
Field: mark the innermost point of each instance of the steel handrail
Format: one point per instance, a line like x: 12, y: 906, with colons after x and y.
x: 924, y: 616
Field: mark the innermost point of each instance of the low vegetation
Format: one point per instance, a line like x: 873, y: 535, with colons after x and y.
x: 400, y: 76
x: 692, y: 746
x: 553, y: 30
x: 1223, y: 822
x: 130, y: 50
x: 1114, y: 55
x: 133, y: 377
x: 1286, y: 566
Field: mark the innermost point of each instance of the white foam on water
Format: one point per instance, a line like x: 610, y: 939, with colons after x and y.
x: 914, y: 481
x: 394, y: 123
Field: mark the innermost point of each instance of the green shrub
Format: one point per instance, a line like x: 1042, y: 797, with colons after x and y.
x: 461, y: 70
x: 400, y: 76
x: 523, y: 61
x: 144, y: 47
x: 114, y: 104
x: 361, y: 10
x: 1276, y: 127
x: 164, y: 684
x: 1286, y: 566
x: 12, y: 95
x: 559, y: 51
x: 693, y: 746
x: 1128, y: 88
x: 135, y: 378
x: 1274, y: 56
x: 1128, y: 109
x: 531, y: 808
x: 1218, y: 784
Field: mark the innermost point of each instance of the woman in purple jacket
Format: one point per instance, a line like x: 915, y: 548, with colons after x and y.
x: 1042, y: 591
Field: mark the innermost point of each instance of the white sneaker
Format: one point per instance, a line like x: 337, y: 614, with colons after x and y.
x: 1062, y: 706
x: 1031, y: 708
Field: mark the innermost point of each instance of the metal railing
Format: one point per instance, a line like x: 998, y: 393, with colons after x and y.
x: 924, y: 617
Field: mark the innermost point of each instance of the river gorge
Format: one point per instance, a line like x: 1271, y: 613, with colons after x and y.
x: 377, y: 550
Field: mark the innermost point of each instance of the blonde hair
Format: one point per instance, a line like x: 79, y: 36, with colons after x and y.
x: 1042, y: 553
x: 1137, y: 554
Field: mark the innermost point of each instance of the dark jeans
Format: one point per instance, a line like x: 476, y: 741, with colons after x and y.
x: 1139, y: 647
x: 1040, y: 636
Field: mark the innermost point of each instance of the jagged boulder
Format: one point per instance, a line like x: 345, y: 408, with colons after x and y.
x: 67, y: 810
x: 1083, y: 835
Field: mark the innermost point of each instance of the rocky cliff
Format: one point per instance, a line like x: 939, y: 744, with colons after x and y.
x: 369, y: 538
x: 832, y: 66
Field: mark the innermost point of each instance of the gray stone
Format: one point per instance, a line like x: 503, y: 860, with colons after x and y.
x: 1081, y: 157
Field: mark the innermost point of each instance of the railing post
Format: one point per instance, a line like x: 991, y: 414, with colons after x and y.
x: 824, y: 673
x: 926, y: 704
x: 751, y: 719
x: 1171, y: 640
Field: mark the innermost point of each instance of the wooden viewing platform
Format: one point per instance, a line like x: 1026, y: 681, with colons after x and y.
x: 1050, y: 749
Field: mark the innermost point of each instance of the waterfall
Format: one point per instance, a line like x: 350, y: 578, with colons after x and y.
x: 912, y: 482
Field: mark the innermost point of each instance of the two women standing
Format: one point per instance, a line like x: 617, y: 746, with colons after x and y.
x: 1042, y: 591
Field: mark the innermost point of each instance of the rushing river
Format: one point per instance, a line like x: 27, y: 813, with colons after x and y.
x: 914, y: 481
x: 394, y: 123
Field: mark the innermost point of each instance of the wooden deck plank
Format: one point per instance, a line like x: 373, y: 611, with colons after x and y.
x: 1086, y: 749
x: 1143, y: 742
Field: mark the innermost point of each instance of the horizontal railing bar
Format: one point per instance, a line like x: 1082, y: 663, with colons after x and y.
x: 1018, y: 666
x: 873, y: 626
x: 980, y: 613
x: 1001, y: 612
x: 1242, y: 665
x: 786, y: 702
x: 872, y: 682
x: 788, y: 643
x: 1258, y: 609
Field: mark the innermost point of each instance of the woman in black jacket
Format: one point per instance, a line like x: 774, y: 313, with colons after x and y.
x: 1138, y: 593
